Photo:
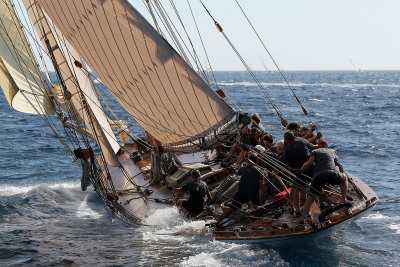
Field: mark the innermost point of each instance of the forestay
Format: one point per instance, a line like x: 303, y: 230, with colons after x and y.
x: 146, y: 75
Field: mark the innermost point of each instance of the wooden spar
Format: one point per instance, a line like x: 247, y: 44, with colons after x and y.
x: 78, y: 128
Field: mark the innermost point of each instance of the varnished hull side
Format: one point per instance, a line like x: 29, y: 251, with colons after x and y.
x: 301, y: 233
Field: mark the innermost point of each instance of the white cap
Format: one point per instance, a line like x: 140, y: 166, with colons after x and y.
x: 260, y: 148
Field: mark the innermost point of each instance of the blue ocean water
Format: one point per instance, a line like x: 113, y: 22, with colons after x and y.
x: 45, y: 219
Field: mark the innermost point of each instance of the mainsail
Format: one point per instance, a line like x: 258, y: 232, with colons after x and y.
x: 20, y: 77
x: 146, y: 75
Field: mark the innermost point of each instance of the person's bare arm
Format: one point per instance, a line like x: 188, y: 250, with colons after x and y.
x: 310, y: 133
x: 307, y: 164
x: 341, y: 169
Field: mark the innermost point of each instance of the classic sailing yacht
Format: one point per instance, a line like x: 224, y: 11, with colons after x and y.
x: 183, y: 118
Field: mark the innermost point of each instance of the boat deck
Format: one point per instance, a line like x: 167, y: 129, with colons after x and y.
x: 267, y: 222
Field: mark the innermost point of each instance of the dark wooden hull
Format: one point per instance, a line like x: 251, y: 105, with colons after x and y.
x: 276, y: 235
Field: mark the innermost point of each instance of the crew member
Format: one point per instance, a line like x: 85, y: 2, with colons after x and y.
x: 325, y: 171
x: 250, y: 186
x: 197, y: 190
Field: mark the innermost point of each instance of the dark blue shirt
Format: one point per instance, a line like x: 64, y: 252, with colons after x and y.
x: 297, y: 152
x: 197, y: 191
x: 249, y: 183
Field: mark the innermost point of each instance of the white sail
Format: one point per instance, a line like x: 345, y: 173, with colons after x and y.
x: 20, y: 77
x: 75, y: 79
x: 146, y: 75
x: 85, y: 84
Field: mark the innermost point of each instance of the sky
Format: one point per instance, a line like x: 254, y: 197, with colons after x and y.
x: 300, y: 35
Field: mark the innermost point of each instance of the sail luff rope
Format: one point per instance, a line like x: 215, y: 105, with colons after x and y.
x: 175, y: 40
x: 162, y: 11
x: 200, y: 68
x: 196, y: 57
x: 183, y: 119
x: 278, y: 112
x: 158, y: 76
x: 153, y: 16
x: 277, y: 66
x: 167, y: 24
x: 206, y: 54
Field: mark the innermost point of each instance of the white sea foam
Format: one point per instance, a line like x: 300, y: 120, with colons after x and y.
x: 392, y: 222
x: 202, y: 259
x: 218, y: 253
x: 164, y: 218
x: 376, y: 216
x: 10, y: 190
x: 395, y: 226
x: 85, y: 211
x: 169, y: 222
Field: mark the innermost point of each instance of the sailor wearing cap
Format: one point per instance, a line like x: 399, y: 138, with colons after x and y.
x: 325, y: 160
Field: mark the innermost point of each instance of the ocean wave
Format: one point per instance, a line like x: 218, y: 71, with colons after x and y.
x: 228, y: 254
x: 395, y: 226
x: 377, y: 216
x: 12, y: 190
x: 88, y: 210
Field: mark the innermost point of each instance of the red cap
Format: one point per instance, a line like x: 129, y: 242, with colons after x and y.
x: 323, y: 141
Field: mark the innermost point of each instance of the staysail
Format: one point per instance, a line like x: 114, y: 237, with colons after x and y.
x: 147, y: 76
x: 20, y: 77
x: 75, y: 79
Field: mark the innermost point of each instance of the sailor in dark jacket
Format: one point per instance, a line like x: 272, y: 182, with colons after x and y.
x: 250, y: 186
x: 197, y: 190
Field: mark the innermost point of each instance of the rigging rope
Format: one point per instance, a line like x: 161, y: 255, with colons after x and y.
x: 263, y: 90
x: 273, y: 60
x: 206, y: 54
